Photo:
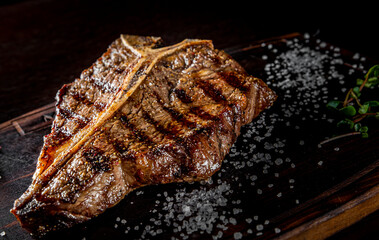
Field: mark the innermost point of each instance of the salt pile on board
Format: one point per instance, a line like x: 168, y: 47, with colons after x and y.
x: 195, y: 211
x: 299, y: 74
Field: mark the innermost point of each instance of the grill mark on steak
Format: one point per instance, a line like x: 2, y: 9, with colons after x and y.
x: 209, y: 90
x: 169, y: 132
x: 146, y: 124
x: 70, y: 115
x: 178, y: 116
x: 104, y: 87
x: 82, y: 98
x: 96, y: 158
x: 182, y: 95
x: 136, y: 133
x: 60, y: 136
x: 233, y: 80
x: 121, y: 148
x: 79, y: 97
x: 199, y: 111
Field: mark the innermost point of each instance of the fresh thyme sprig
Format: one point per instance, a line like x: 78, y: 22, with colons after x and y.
x: 352, y: 110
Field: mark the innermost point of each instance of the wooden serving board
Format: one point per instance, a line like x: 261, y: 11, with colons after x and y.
x: 281, y: 180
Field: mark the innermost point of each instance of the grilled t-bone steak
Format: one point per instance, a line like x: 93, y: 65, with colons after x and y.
x: 139, y: 115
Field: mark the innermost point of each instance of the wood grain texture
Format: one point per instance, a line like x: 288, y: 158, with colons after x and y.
x: 342, y: 217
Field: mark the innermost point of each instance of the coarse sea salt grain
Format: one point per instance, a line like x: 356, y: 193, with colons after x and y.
x: 237, y: 235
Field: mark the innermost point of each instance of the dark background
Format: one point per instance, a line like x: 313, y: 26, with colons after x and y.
x: 45, y: 43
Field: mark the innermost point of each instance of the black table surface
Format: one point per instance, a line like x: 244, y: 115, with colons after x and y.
x: 45, y: 43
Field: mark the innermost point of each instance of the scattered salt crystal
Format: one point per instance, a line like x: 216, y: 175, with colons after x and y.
x: 320, y: 163
x: 236, y: 211
x: 253, y: 177
x: 356, y: 56
x: 278, y: 161
x: 2, y: 233
x: 259, y: 227
x: 277, y: 230
x: 233, y: 221
x: 336, y: 149
x: 237, y: 235
x: 279, y: 195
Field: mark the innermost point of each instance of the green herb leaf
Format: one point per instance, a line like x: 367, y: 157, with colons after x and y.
x: 356, y: 91
x: 363, y: 109
x: 346, y: 122
x: 333, y: 104
x: 372, y: 79
x: 348, y: 111
x: 357, y: 127
x: 372, y: 103
x: 373, y: 71
x: 360, y: 81
x: 352, y: 110
x: 363, y: 129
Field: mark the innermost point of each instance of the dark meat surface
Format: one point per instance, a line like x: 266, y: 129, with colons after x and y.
x: 140, y: 115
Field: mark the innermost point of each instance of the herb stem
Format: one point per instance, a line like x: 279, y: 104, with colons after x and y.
x: 338, y: 137
x: 356, y: 98
x: 347, y: 100
x: 364, y: 83
x: 359, y: 118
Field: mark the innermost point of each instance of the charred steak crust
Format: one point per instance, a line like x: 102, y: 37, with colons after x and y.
x: 139, y: 115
